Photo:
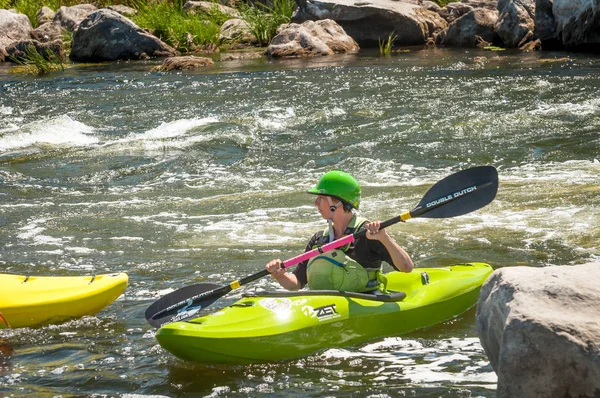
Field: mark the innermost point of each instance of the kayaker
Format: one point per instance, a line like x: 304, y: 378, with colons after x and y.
x: 355, y: 267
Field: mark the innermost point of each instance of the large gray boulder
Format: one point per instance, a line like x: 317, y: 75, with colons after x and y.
x: 70, y: 17
x: 540, y: 328
x: 13, y: 27
x: 369, y: 21
x: 471, y: 29
x: 106, y: 35
x: 311, y: 39
x: 516, y: 21
x: 578, y: 23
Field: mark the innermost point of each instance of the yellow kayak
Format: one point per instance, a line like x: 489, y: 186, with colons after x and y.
x: 35, y: 300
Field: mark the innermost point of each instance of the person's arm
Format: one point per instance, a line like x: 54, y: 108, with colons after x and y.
x: 401, y: 259
x: 292, y: 280
x: 286, y: 279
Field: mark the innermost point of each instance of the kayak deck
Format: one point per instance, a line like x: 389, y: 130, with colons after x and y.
x: 274, y: 326
x: 34, y: 300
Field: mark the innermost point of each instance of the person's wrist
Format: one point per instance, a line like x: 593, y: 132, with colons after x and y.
x: 277, y: 273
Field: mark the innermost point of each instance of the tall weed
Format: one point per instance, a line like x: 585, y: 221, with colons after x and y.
x: 385, y: 46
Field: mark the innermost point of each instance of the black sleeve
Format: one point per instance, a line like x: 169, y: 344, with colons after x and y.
x: 376, y: 250
x: 300, y: 270
x: 383, y: 254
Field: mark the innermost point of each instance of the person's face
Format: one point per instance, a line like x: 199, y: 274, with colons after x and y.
x: 322, y: 204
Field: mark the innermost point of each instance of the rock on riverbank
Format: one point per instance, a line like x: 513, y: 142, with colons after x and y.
x: 540, y: 328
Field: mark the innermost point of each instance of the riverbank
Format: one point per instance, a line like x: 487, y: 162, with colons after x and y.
x: 85, y: 33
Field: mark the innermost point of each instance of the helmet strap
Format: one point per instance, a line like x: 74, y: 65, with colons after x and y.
x: 332, y: 209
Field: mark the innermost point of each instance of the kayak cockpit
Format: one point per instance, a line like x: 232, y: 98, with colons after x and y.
x: 386, y: 298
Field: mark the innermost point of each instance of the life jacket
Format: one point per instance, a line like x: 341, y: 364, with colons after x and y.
x: 334, y: 270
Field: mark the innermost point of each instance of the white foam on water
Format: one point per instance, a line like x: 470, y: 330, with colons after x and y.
x: 80, y: 250
x: 121, y: 203
x: 275, y: 118
x: 128, y: 238
x: 431, y: 364
x: 568, y: 172
x: 33, y: 232
x: 586, y: 108
x: 145, y: 293
x: 168, y: 135
x: 61, y: 132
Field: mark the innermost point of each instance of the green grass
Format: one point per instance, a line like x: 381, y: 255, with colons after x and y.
x: 182, y: 31
x: 264, y: 20
x: 36, y: 63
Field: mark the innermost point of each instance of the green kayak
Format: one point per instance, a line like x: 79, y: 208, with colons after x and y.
x: 273, y: 326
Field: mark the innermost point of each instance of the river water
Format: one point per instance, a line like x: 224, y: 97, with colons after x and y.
x: 199, y: 176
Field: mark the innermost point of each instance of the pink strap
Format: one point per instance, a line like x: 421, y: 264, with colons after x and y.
x: 315, y: 252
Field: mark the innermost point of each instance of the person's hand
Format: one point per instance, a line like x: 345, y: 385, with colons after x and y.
x: 273, y: 267
x: 374, y: 232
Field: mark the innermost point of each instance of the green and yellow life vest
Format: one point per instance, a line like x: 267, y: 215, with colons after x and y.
x: 335, y: 270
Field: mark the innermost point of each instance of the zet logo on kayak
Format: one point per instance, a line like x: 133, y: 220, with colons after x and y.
x: 321, y: 313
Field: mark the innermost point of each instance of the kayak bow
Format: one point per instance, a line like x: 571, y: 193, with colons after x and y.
x: 34, y: 300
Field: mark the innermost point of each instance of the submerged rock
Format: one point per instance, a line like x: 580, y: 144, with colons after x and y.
x: 183, y: 63
x: 540, y: 328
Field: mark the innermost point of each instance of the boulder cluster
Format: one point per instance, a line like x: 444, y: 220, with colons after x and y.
x: 318, y: 27
x: 525, y: 24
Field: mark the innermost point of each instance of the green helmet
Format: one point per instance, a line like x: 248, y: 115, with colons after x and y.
x: 339, y: 185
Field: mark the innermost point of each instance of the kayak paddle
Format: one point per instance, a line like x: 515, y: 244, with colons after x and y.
x: 455, y: 195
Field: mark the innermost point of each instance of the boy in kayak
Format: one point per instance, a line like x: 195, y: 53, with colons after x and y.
x: 355, y: 267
